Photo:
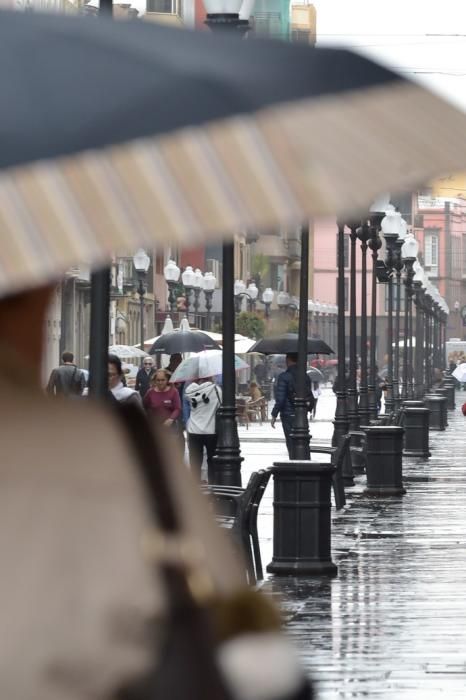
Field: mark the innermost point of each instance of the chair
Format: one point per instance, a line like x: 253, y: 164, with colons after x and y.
x: 255, y: 409
x: 241, y: 412
x: 237, y: 510
x: 337, y: 456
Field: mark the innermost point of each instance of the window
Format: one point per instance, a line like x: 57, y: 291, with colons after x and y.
x: 431, y: 250
x: 346, y: 250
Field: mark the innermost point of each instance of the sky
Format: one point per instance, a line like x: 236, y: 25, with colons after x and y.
x: 396, y: 32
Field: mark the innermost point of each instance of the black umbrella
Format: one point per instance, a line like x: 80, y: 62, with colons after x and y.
x: 183, y: 341
x: 284, y: 344
x: 315, y: 375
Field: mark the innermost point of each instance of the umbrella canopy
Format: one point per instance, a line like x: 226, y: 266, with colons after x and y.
x: 202, y: 365
x: 460, y: 373
x: 126, y: 352
x: 315, y: 375
x: 283, y: 344
x: 243, y: 345
x: 144, y: 134
x: 182, y: 341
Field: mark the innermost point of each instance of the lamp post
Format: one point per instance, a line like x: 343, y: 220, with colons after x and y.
x: 171, y: 272
x: 409, y: 253
x: 224, y: 15
x: 390, y: 230
x: 267, y: 299
x: 210, y: 283
x: 188, y: 277
x: 141, y: 262
x: 364, y: 415
x: 377, y: 214
x: 340, y: 422
x: 398, y: 265
x: 198, y: 287
x: 300, y: 436
x: 352, y: 393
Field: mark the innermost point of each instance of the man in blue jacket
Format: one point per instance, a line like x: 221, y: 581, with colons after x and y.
x: 285, y: 393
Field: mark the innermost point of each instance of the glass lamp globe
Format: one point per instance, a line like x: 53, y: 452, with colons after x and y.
x: 267, y: 296
x: 381, y: 204
x: 188, y: 277
x: 410, y: 248
x: 199, y: 279
x: 141, y: 260
x: 210, y: 282
x: 391, y: 223
x: 311, y: 305
x: 252, y: 290
x: 171, y: 271
x: 239, y: 288
x: 403, y: 232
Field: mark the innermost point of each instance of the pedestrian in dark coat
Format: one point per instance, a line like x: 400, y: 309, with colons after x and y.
x: 285, y: 393
x: 144, y: 376
x: 66, y: 380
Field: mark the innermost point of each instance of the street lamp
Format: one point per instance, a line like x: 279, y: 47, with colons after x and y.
x: 364, y: 415
x: 141, y: 262
x: 377, y: 212
x: 398, y: 265
x: 188, y: 277
x: 409, y: 253
x: 198, y: 287
x: 390, y: 229
x: 171, y: 272
x: 210, y: 284
x: 224, y: 15
x: 352, y: 391
x: 267, y: 299
x: 252, y: 292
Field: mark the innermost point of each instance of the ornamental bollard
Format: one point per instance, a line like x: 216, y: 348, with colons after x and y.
x: 384, y: 466
x: 435, y: 403
x: 449, y: 384
x: 443, y: 391
x: 416, y: 425
x: 301, y: 519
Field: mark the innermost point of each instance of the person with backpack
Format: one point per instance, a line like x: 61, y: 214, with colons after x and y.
x: 285, y: 394
x: 66, y: 380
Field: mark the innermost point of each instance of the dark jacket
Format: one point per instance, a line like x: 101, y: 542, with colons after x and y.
x: 143, y: 380
x: 66, y: 380
x: 285, y: 392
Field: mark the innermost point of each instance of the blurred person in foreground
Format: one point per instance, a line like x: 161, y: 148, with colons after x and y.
x: 71, y: 523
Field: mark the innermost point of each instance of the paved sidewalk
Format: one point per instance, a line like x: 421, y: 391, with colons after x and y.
x: 393, y: 623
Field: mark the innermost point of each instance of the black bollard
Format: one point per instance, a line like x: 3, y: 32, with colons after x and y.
x: 416, y: 425
x: 449, y: 384
x: 384, y: 450
x: 443, y: 391
x: 435, y: 403
x: 301, y: 519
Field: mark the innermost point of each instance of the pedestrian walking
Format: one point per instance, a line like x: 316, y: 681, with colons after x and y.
x: 204, y: 400
x: 117, y: 383
x: 285, y: 394
x: 67, y: 379
x: 144, y: 376
x: 162, y: 401
x: 316, y: 392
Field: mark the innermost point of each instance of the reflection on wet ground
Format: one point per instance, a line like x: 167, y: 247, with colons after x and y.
x: 393, y: 624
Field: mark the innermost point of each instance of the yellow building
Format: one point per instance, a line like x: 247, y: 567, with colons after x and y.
x: 303, y: 24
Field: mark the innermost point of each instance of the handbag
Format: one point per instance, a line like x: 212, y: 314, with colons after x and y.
x: 205, y: 634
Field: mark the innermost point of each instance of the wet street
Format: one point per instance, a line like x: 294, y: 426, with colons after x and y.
x: 392, y: 624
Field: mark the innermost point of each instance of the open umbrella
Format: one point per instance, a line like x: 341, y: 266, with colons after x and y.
x: 126, y: 352
x: 202, y: 365
x: 315, y: 375
x: 145, y: 134
x: 283, y: 344
x: 182, y: 341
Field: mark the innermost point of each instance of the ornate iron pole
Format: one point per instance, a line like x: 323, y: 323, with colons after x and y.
x: 341, y: 416
x: 374, y: 244
x: 300, y: 433
x: 352, y: 393
x: 364, y: 414
x: 398, y: 264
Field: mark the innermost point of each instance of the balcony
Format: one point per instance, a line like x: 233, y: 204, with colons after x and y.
x: 165, y: 11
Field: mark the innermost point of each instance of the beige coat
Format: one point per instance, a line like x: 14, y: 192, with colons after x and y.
x: 75, y: 590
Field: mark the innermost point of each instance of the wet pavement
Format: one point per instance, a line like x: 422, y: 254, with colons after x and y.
x: 393, y: 623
